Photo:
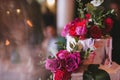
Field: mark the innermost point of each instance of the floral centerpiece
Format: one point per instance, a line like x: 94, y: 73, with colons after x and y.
x: 92, y: 23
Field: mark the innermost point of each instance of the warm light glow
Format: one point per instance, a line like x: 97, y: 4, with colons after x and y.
x: 29, y: 23
x: 7, y: 42
x: 50, y: 2
x: 8, y: 12
x: 18, y: 11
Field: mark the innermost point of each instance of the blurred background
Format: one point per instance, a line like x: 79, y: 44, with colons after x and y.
x: 29, y: 30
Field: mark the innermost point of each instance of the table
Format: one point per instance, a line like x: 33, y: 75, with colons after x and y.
x: 114, y: 72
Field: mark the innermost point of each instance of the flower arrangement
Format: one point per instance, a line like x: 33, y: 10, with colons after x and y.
x: 92, y: 23
x: 64, y: 64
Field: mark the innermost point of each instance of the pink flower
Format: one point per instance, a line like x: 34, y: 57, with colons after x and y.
x: 77, y: 57
x: 65, y: 30
x: 52, y: 64
x: 62, y: 54
x: 81, y: 28
x: 72, y: 62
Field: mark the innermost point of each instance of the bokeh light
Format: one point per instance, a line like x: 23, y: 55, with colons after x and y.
x: 18, y: 11
x: 7, y: 42
x: 50, y: 2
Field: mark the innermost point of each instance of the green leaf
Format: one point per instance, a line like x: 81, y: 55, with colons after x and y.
x: 88, y: 26
x: 90, y: 8
x: 81, y: 13
x: 76, y: 48
x: 76, y: 39
x: 51, y: 57
x: 61, y: 43
x: 99, y: 11
x: 87, y: 53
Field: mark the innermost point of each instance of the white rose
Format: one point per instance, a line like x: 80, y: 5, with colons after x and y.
x: 87, y: 43
x: 70, y: 41
x: 97, y: 2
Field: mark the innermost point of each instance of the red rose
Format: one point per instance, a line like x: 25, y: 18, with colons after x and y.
x: 87, y: 16
x: 109, y: 24
x: 72, y: 31
x: 95, y: 32
x: 62, y: 75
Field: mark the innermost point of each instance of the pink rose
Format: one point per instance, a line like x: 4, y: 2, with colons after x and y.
x: 72, y: 62
x: 65, y: 30
x: 81, y: 28
x: 62, y: 54
x: 52, y: 64
x: 77, y: 54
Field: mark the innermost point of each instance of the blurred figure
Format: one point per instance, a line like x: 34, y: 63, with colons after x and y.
x: 115, y: 32
x: 48, y: 46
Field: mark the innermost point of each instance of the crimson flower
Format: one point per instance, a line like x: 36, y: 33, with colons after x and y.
x: 95, y: 32
x: 87, y: 16
x: 62, y: 75
x: 108, y: 24
x: 72, y: 31
x: 70, y: 28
